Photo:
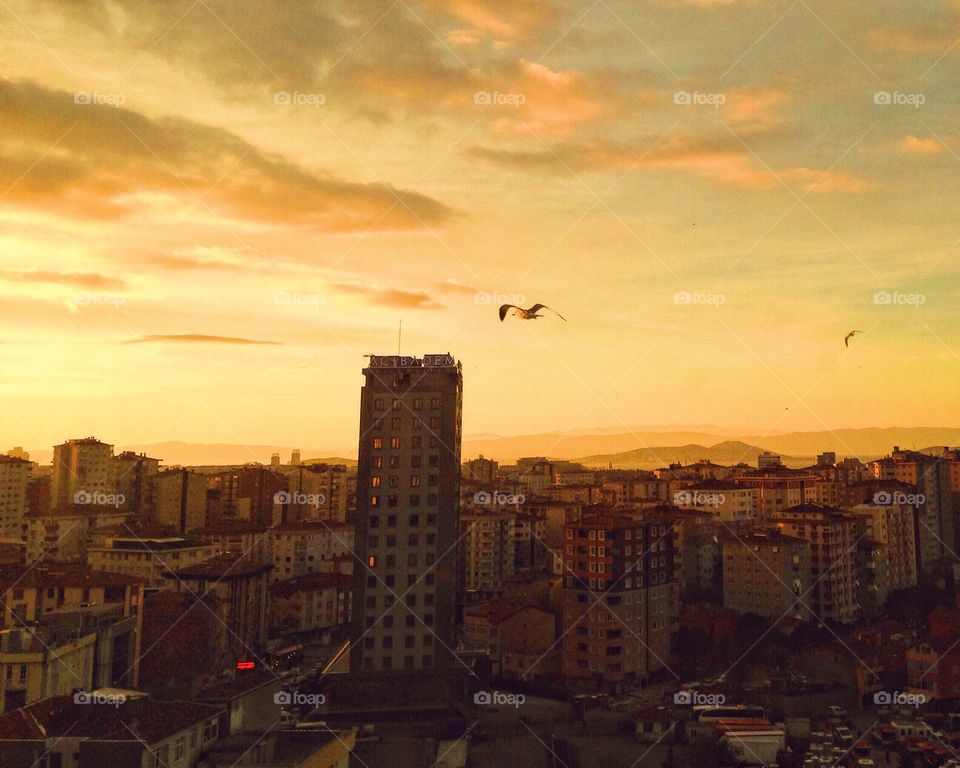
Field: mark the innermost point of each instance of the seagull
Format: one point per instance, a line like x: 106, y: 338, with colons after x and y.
x: 846, y: 339
x: 527, y: 314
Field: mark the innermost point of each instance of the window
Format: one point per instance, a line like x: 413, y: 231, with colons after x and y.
x: 414, y: 502
x: 434, y: 403
x: 394, y: 481
x: 179, y: 750
x: 395, y: 422
x: 375, y: 481
x: 416, y: 441
x: 377, y: 443
x: 417, y: 424
x: 414, y: 462
x: 418, y: 403
x: 374, y: 501
x: 415, y: 481
x: 396, y: 405
x: 378, y: 404
x: 434, y: 422
x: 394, y: 462
x: 394, y: 442
x: 377, y: 462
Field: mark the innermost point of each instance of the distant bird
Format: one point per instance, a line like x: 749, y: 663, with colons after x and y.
x: 527, y: 314
x: 846, y: 339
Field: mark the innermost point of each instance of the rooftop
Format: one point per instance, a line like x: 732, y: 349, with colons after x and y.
x: 222, y: 567
x: 141, y: 720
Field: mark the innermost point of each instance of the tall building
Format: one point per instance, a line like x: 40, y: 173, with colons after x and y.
x: 408, y: 495
x: 779, y: 488
x: 931, y: 476
x: 487, y: 548
x: 766, y: 572
x: 181, y: 499
x: 81, y: 472
x: 14, y: 477
x: 832, y: 538
x: 134, y: 475
x: 252, y: 492
x: 619, y: 588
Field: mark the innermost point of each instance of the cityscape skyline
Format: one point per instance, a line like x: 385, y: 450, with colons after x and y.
x: 470, y: 383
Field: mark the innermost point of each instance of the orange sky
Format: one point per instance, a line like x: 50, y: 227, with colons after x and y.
x: 210, y: 211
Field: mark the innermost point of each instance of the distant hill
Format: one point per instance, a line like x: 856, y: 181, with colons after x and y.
x: 867, y: 443
x: 870, y: 442
x: 570, y: 446
x: 728, y: 452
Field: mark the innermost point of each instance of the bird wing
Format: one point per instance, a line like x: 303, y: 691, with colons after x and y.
x: 537, y: 307
x: 504, y: 309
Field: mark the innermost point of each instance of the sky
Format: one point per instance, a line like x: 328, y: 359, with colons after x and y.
x: 210, y: 210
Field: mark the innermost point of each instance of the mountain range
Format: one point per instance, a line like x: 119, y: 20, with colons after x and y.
x: 640, y: 447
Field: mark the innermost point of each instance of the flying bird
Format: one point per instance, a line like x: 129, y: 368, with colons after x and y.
x: 846, y: 339
x: 527, y: 314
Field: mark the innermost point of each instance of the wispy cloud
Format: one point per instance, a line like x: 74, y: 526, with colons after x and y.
x: 196, y: 338
x: 389, y: 297
x: 73, y: 279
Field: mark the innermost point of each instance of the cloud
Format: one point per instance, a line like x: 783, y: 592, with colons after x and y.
x: 197, y: 338
x: 757, y: 106
x: 903, y: 40
x: 914, y: 145
x: 100, y: 161
x: 73, y: 279
x: 452, y: 286
x: 503, y: 19
x: 719, y: 157
x: 389, y: 297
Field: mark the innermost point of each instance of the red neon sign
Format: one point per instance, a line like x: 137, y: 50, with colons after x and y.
x: 246, y: 664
